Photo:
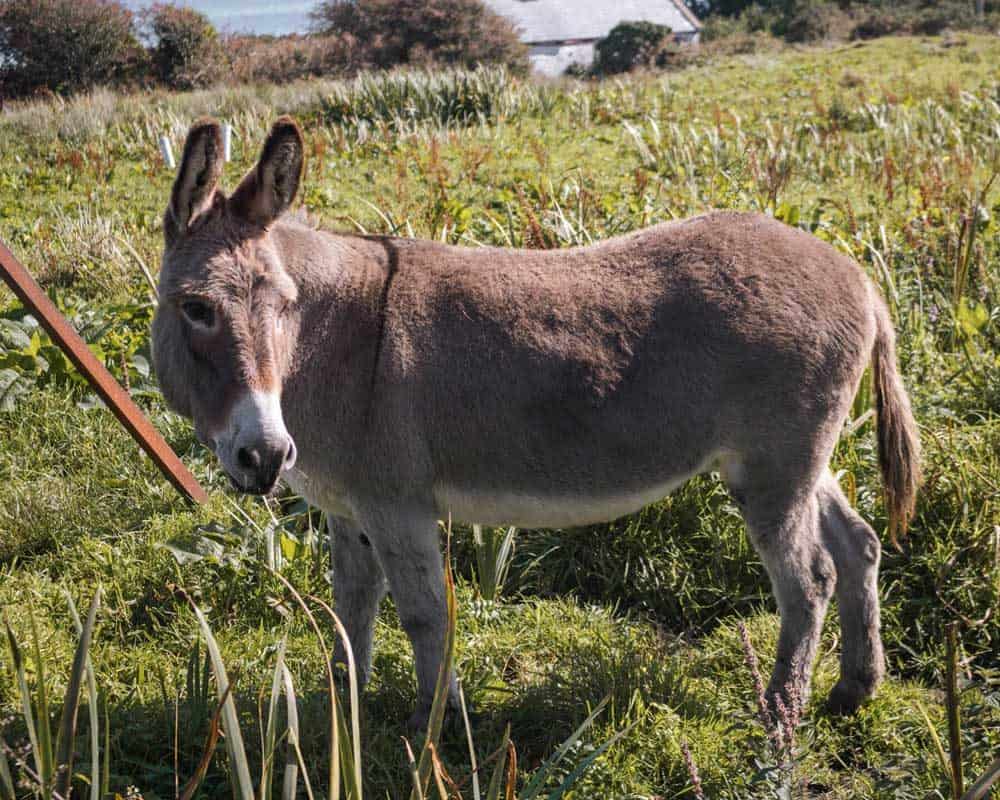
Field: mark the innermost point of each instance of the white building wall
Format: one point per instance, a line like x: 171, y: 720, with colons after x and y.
x: 553, y: 59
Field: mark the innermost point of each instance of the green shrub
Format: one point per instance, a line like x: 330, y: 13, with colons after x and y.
x: 936, y: 18
x: 65, y: 46
x: 809, y: 23
x: 932, y: 22
x: 629, y: 45
x: 719, y: 27
x: 878, y: 23
x: 758, y: 19
x: 280, y: 59
x: 424, y: 32
x: 185, y: 48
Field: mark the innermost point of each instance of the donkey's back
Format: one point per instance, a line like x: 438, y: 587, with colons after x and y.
x: 565, y: 387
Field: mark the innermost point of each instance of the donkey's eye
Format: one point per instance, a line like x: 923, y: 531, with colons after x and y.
x: 199, y: 313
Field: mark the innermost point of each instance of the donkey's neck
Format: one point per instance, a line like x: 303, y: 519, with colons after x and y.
x: 342, y: 282
x: 330, y: 265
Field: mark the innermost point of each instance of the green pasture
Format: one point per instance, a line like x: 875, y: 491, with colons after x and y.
x: 888, y: 149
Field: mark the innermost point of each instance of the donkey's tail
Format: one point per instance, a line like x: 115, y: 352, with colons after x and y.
x: 898, y: 439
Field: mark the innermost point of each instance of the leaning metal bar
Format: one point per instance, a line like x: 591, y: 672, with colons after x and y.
x: 114, y: 396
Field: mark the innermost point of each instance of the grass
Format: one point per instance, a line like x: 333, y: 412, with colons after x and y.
x: 886, y: 149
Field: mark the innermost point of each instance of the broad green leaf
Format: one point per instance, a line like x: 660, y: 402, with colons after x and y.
x: 13, y: 335
x: 13, y: 386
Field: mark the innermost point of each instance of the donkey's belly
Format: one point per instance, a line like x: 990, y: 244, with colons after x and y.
x: 551, y: 510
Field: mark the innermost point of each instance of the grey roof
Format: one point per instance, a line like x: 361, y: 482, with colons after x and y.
x: 564, y: 20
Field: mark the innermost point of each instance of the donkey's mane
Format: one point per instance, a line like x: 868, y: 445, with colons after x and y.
x: 302, y: 216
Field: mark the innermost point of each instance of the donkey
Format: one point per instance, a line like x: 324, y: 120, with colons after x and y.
x: 393, y: 382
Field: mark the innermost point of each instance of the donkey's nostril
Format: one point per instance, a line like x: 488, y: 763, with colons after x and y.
x: 290, y: 455
x: 248, y: 458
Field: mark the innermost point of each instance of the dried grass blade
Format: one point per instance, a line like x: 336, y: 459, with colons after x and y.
x: 496, y: 779
x: 6, y: 778
x: 942, y: 756
x: 211, y: 740
x: 511, y: 770
x: 411, y: 762
x: 981, y: 788
x: 439, y: 773
x: 473, y: 765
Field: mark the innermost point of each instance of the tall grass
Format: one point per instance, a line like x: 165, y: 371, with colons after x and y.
x: 47, y: 764
x: 494, y: 551
x: 404, y: 98
x: 51, y: 757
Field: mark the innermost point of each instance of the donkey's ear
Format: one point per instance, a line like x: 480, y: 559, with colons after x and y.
x: 270, y: 187
x: 194, y: 188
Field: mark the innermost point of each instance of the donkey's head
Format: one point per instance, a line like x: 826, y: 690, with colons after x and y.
x: 227, y: 318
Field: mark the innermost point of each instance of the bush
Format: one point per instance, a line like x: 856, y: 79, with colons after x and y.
x: 270, y: 59
x: 719, y: 27
x: 758, y: 19
x: 810, y: 23
x: 629, y: 45
x: 65, y: 46
x: 422, y: 32
x: 929, y: 20
x: 878, y: 23
x: 933, y: 22
x: 185, y: 48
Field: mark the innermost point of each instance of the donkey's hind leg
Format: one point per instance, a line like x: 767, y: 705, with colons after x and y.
x: 782, y: 514
x: 855, y: 549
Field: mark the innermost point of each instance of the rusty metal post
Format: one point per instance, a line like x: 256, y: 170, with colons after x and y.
x: 102, y: 381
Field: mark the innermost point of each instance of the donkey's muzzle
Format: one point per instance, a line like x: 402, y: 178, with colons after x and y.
x: 262, y: 464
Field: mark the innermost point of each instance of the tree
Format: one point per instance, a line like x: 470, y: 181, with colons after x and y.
x: 460, y: 32
x: 628, y: 45
x: 65, y: 46
x: 185, y: 47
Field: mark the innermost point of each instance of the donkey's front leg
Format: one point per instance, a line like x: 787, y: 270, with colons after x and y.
x: 406, y: 542
x: 358, y: 588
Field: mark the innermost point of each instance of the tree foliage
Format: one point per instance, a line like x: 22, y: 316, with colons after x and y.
x: 64, y: 45
x: 391, y: 32
x: 186, y: 52
x: 629, y: 45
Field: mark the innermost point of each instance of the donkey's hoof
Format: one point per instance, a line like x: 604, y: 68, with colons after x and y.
x: 848, y: 696
x: 418, y: 721
x: 453, y: 720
